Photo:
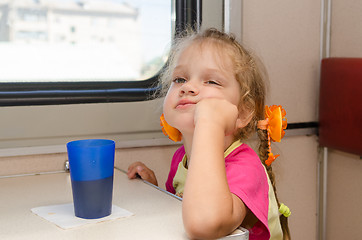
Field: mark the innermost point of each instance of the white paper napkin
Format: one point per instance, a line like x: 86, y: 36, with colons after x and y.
x: 63, y: 215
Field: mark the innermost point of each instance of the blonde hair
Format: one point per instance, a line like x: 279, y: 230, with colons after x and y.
x: 251, y: 75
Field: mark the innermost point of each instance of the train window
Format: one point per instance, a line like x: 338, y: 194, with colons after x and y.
x: 63, y: 51
x: 71, y: 40
x: 55, y: 87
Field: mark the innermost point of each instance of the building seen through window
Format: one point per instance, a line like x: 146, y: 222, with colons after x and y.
x: 89, y: 40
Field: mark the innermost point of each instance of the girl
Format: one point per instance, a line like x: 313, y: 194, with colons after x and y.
x: 215, y: 99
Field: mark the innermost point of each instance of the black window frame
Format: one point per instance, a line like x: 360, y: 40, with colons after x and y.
x: 188, y: 13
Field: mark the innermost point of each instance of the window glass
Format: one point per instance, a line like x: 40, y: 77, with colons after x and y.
x: 83, y: 40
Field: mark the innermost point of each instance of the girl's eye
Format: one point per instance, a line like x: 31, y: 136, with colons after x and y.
x: 179, y: 80
x: 213, y: 82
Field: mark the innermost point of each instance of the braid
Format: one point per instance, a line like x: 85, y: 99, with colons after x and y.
x: 263, y: 155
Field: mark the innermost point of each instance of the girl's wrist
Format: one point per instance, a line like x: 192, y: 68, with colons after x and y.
x: 208, y: 124
x: 210, y: 128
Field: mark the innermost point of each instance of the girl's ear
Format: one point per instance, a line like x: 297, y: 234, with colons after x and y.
x: 243, y: 119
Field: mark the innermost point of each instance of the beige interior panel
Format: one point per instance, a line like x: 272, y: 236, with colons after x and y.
x: 344, y: 212
x: 53, y: 125
x: 286, y: 36
x: 346, y: 30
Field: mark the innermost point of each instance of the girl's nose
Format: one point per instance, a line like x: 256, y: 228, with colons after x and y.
x: 189, y: 88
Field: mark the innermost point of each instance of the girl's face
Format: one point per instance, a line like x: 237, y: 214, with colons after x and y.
x: 200, y: 72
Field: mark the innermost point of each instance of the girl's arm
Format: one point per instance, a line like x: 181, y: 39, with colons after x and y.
x: 209, y: 209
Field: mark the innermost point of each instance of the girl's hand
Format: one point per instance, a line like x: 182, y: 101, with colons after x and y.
x: 139, y: 169
x: 220, y: 112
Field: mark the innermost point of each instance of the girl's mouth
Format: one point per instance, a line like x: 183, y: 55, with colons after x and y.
x: 182, y: 104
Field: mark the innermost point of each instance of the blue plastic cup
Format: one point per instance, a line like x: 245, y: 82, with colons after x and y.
x: 91, y: 163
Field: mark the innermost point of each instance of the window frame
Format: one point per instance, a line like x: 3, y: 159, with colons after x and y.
x: 187, y: 13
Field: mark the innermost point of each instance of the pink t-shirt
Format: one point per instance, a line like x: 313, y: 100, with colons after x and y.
x: 247, y: 180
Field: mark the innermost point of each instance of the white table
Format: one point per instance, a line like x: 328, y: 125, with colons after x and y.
x: 157, y: 215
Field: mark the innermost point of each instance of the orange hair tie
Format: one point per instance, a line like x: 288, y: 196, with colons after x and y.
x: 263, y: 124
x: 275, y: 122
x: 173, y: 133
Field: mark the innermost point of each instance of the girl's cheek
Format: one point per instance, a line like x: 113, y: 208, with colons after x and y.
x: 167, y: 106
x: 169, y: 98
x: 166, y: 103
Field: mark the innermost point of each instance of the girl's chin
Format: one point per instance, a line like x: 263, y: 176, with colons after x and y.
x: 187, y: 131
x: 185, y: 126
